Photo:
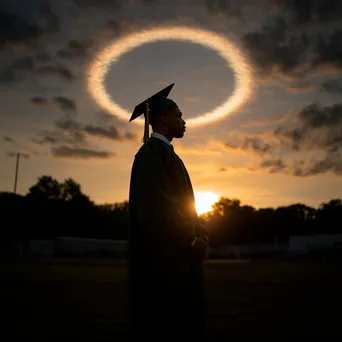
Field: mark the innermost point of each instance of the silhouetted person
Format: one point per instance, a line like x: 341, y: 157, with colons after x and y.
x: 167, y: 239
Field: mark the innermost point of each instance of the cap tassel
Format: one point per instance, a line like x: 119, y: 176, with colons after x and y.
x: 147, y: 120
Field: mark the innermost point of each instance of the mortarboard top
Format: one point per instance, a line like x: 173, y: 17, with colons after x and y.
x: 154, y: 102
x: 154, y: 105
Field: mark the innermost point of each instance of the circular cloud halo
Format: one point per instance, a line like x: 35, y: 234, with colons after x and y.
x: 99, y: 68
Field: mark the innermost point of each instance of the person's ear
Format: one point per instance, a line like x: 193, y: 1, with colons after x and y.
x: 165, y: 117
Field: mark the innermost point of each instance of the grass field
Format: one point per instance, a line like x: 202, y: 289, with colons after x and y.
x: 84, y: 300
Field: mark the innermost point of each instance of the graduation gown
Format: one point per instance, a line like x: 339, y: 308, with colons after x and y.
x: 166, y: 278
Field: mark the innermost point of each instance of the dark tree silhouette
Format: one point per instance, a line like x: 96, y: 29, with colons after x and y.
x: 70, y: 189
x: 46, y: 188
x: 51, y: 209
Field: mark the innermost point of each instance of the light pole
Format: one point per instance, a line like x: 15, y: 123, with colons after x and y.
x: 16, y: 174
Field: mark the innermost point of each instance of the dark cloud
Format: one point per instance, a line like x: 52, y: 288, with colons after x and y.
x: 69, y: 139
x: 76, y: 49
x: 274, y: 50
x: 8, y: 139
x: 46, y: 138
x: 43, y: 57
x: 53, y: 137
x: 333, y: 86
x: 130, y: 136
x: 332, y: 162
x: 68, y: 125
x: 316, y: 116
x: 19, y: 29
x: 11, y: 142
x: 59, y: 70
x: 251, y: 143
x: 328, y: 51
x: 302, y: 89
x: 274, y: 165
x: 315, y: 128
x: 65, y: 103
x: 106, y: 118
x: 8, y: 77
x: 49, y: 20
x: 14, y: 29
x: 291, y: 138
x: 27, y: 67
x: 14, y: 155
x: 66, y: 132
x: 39, y: 101
x: 227, y: 8
x: 113, y: 27
x: 80, y: 153
x: 313, y: 11
x: 108, y: 121
x: 64, y: 54
x: 17, y: 70
x: 111, y: 132
x: 110, y: 4
x: 280, y: 48
x: 307, y: 143
x: 23, y: 64
x: 62, y: 102
x: 107, y: 4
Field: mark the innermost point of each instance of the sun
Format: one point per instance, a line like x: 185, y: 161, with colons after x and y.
x: 204, y: 201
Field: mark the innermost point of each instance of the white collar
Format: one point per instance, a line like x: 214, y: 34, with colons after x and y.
x: 161, y: 137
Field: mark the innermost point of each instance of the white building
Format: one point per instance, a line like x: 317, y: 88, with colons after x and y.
x: 303, y: 244
x: 79, y: 246
x: 300, y: 245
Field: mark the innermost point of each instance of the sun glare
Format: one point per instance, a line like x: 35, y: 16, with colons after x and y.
x: 205, y: 200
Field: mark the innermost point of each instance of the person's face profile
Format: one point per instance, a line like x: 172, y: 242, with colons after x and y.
x: 176, y: 123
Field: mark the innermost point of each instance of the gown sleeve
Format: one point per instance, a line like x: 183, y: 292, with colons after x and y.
x: 201, y: 230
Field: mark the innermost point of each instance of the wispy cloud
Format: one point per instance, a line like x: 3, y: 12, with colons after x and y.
x: 80, y: 153
x: 8, y: 139
x: 70, y: 137
x: 300, y: 89
x: 62, y: 102
x: 333, y: 86
x: 281, y: 48
x: 14, y: 155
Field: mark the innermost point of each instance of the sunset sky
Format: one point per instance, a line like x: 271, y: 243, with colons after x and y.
x: 283, y: 146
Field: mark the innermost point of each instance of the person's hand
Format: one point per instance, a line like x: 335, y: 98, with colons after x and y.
x: 201, y: 229
x: 199, y: 247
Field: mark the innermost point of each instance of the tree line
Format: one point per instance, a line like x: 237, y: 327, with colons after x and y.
x: 51, y: 209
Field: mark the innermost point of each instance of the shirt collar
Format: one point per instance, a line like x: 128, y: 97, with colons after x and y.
x: 161, y: 137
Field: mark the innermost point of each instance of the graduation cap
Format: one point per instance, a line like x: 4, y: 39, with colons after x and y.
x: 153, y: 106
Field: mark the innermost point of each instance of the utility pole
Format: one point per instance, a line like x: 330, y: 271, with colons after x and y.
x: 16, y: 174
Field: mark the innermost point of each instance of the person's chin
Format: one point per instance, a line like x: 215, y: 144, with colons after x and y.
x: 180, y: 135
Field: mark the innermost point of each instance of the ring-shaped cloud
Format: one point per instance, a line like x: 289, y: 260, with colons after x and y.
x: 99, y: 68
